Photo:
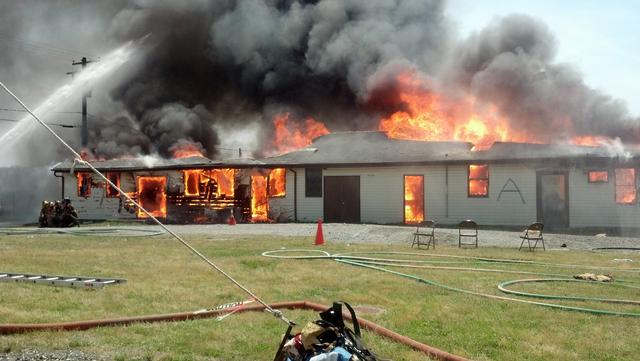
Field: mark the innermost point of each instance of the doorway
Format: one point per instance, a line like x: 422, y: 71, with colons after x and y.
x: 342, y: 199
x: 553, y: 199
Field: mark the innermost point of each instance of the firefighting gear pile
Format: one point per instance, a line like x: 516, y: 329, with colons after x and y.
x: 328, y: 339
x: 58, y: 214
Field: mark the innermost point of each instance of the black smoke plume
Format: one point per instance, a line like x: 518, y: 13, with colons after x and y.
x: 208, y: 63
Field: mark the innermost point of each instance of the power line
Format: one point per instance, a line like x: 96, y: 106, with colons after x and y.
x: 41, y: 46
x: 56, y: 124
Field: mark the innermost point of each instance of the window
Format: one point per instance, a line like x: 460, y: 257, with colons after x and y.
x: 413, y: 199
x: 84, y: 184
x: 598, y: 176
x: 478, y: 185
x: 192, y: 182
x: 313, y: 182
x: 625, y: 185
x: 277, y: 182
x: 115, y: 179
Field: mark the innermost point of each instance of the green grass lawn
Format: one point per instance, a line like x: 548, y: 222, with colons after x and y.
x: 163, y: 277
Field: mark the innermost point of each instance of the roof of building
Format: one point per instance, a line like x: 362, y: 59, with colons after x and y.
x: 370, y: 148
x: 157, y: 163
x: 375, y: 148
x: 364, y: 148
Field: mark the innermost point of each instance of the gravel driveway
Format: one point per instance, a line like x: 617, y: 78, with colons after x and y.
x: 370, y: 233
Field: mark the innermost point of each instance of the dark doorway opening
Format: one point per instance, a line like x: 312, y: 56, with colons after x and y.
x: 553, y: 199
x: 342, y: 199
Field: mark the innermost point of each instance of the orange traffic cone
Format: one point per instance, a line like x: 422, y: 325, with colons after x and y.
x: 232, y: 220
x: 319, y: 235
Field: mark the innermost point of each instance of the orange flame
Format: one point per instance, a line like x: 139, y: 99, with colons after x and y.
x: 192, y: 182
x: 152, y: 196
x: 431, y: 116
x: 186, y: 150
x: 590, y: 140
x: 292, y: 135
x: 413, y: 199
x: 277, y: 182
x: 259, y: 201
x: 225, y: 178
x: 598, y: 176
x: 478, y: 180
x: 115, y: 179
x: 84, y: 184
x: 625, y: 185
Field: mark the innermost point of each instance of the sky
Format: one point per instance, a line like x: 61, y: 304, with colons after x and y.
x: 600, y: 38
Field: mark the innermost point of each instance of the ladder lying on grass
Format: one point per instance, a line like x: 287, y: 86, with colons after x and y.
x: 66, y: 281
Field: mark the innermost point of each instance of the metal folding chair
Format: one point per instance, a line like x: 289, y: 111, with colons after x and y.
x: 468, y: 229
x: 533, y: 233
x: 425, y: 229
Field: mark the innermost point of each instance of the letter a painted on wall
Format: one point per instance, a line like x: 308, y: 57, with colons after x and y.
x: 511, y: 187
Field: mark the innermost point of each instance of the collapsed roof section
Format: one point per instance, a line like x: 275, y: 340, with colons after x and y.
x: 374, y: 148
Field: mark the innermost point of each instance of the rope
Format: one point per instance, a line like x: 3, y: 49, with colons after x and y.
x: 78, y: 158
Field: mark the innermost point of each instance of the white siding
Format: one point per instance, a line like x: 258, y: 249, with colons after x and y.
x: 281, y: 208
x: 97, y: 205
x: 309, y: 209
x: 381, y: 195
x: 594, y: 205
x: 509, y: 210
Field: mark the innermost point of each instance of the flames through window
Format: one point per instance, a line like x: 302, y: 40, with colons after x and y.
x: 625, y: 185
x: 84, y: 184
x: 277, y: 182
x: 478, y: 182
x: 192, y: 182
x: 152, y: 196
x: 598, y: 176
x: 115, y: 179
x: 413, y: 199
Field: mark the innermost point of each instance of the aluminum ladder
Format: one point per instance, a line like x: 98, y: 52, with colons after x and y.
x: 65, y: 281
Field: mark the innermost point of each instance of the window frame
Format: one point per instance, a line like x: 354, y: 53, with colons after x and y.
x: 317, y: 193
x: 85, y: 175
x: 635, y: 186
x: 469, y: 179
x: 190, y: 173
x: 284, y: 182
x: 107, y: 186
x: 597, y: 171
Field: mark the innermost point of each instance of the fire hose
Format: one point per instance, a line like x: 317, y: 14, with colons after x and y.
x: 378, y: 263
x: 110, y: 231
x: 184, y: 316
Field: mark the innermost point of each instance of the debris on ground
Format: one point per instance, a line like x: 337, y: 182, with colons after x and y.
x: 594, y: 277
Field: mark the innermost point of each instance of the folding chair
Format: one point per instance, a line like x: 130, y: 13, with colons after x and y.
x: 428, y: 231
x: 468, y: 229
x: 533, y: 233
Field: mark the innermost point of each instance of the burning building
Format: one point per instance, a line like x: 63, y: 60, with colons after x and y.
x: 368, y: 177
x: 185, y: 190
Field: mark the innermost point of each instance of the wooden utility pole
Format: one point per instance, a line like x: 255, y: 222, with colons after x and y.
x: 84, y: 135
